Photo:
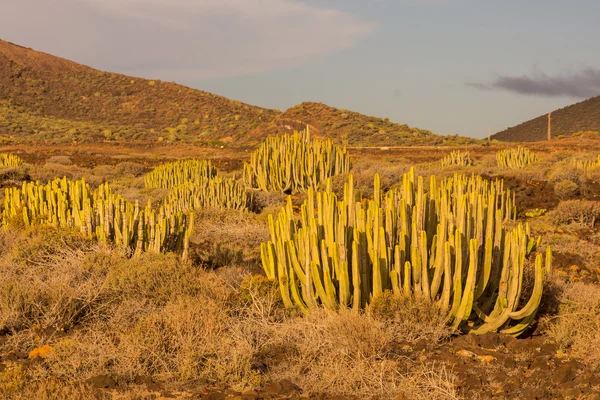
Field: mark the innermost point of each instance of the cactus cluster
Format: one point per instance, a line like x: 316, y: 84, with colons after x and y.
x: 10, y: 160
x: 215, y: 192
x: 516, y: 158
x: 181, y: 172
x: 194, y: 184
x: 447, y: 245
x: 291, y: 163
x: 457, y: 158
x: 587, y: 165
x: 99, y: 214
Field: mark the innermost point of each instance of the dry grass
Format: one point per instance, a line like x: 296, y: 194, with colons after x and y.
x: 100, y: 313
x: 575, y: 328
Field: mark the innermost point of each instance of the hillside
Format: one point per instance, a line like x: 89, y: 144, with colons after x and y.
x: 55, y: 94
x: 47, y: 99
x: 357, y: 129
x: 582, y: 116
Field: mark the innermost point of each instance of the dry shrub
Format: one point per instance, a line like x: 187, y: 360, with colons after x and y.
x: 228, y: 238
x: 410, y: 319
x: 62, y: 160
x: 42, y: 282
x: 103, y: 314
x: 345, y: 354
x: 585, y: 212
x: 564, y: 172
x: 566, y: 189
x: 575, y: 328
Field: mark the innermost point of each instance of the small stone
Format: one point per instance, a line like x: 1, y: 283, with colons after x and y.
x: 466, y: 354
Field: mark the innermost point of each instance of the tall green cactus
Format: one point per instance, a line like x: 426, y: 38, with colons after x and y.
x: 215, y: 192
x: 517, y: 158
x: 98, y: 214
x: 10, y: 160
x: 294, y: 163
x: 447, y: 244
x: 180, y: 172
x: 457, y: 158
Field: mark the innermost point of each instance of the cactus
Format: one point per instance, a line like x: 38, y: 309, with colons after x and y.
x: 214, y: 192
x: 181, y: 172
x: 447, y: 245
x: 516, y: 158
x: 99, y: 215
x: 294, y: 163
x: 587, y: 165
x: 459, y: 158
x: 8, y: 160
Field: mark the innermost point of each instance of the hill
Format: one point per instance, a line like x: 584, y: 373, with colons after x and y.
x: 42, y: 95
x: 582, y: 116
x: 357, y: 129
x: 48, y: 99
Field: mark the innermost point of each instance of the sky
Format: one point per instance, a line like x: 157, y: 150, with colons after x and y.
x: 449, y: 66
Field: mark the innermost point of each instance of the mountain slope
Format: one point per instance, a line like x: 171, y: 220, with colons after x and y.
x: 582, y: 116
x: 47, y: 99
x: 42, y: 85
x: 357, y: 129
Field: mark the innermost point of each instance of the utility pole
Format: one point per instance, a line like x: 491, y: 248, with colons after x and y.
x: 549, y: 126
x: 489, y: 135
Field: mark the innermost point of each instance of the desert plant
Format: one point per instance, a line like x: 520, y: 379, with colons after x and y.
x: 585, y: 212
x: 458, y: 158
x: 448, y: 246
x: 294, y: 163
x: 566, y: 189
x: 10, y: 160
x: 215, y: 192
x: 586, y: 165
x: 516, y: 158
x: 181, y: 172
x: 99, y: 215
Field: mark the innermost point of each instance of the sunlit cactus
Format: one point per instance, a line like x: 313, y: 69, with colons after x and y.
x: 457, y: 158
x: 587, y: 165
x: 98, y: 214
x: 294, y: 163
x: 445, y: 243
x: 181, y: 172
x: 217, y: 192
x: 8, y: 160
x: 516, y: 158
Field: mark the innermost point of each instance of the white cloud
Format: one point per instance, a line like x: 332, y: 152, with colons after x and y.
x: 195, y: 39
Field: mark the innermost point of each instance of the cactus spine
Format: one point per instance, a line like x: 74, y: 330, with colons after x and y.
x: 294, y: 163
x: 447, y: 244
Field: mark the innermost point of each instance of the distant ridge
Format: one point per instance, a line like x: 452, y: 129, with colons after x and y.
x: 48, y: 99
x: 582, y: 116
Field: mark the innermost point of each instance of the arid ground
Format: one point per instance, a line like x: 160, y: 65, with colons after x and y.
x: 79, y: 320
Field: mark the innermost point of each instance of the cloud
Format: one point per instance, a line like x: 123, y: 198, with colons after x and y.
x: 584, y: 83
x: 183, y: 39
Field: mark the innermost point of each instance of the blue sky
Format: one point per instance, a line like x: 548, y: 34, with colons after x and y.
x: 450, y: 66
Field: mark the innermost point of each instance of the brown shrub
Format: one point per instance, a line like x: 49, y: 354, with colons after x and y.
x: 585, y: 212
x: 575, y: 328
x: 566, y: 189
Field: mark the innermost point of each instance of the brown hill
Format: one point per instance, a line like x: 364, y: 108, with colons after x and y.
x: 42, y: 95
x: 47, y: 99
x: 357, y: 129
x: 582, y: 116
